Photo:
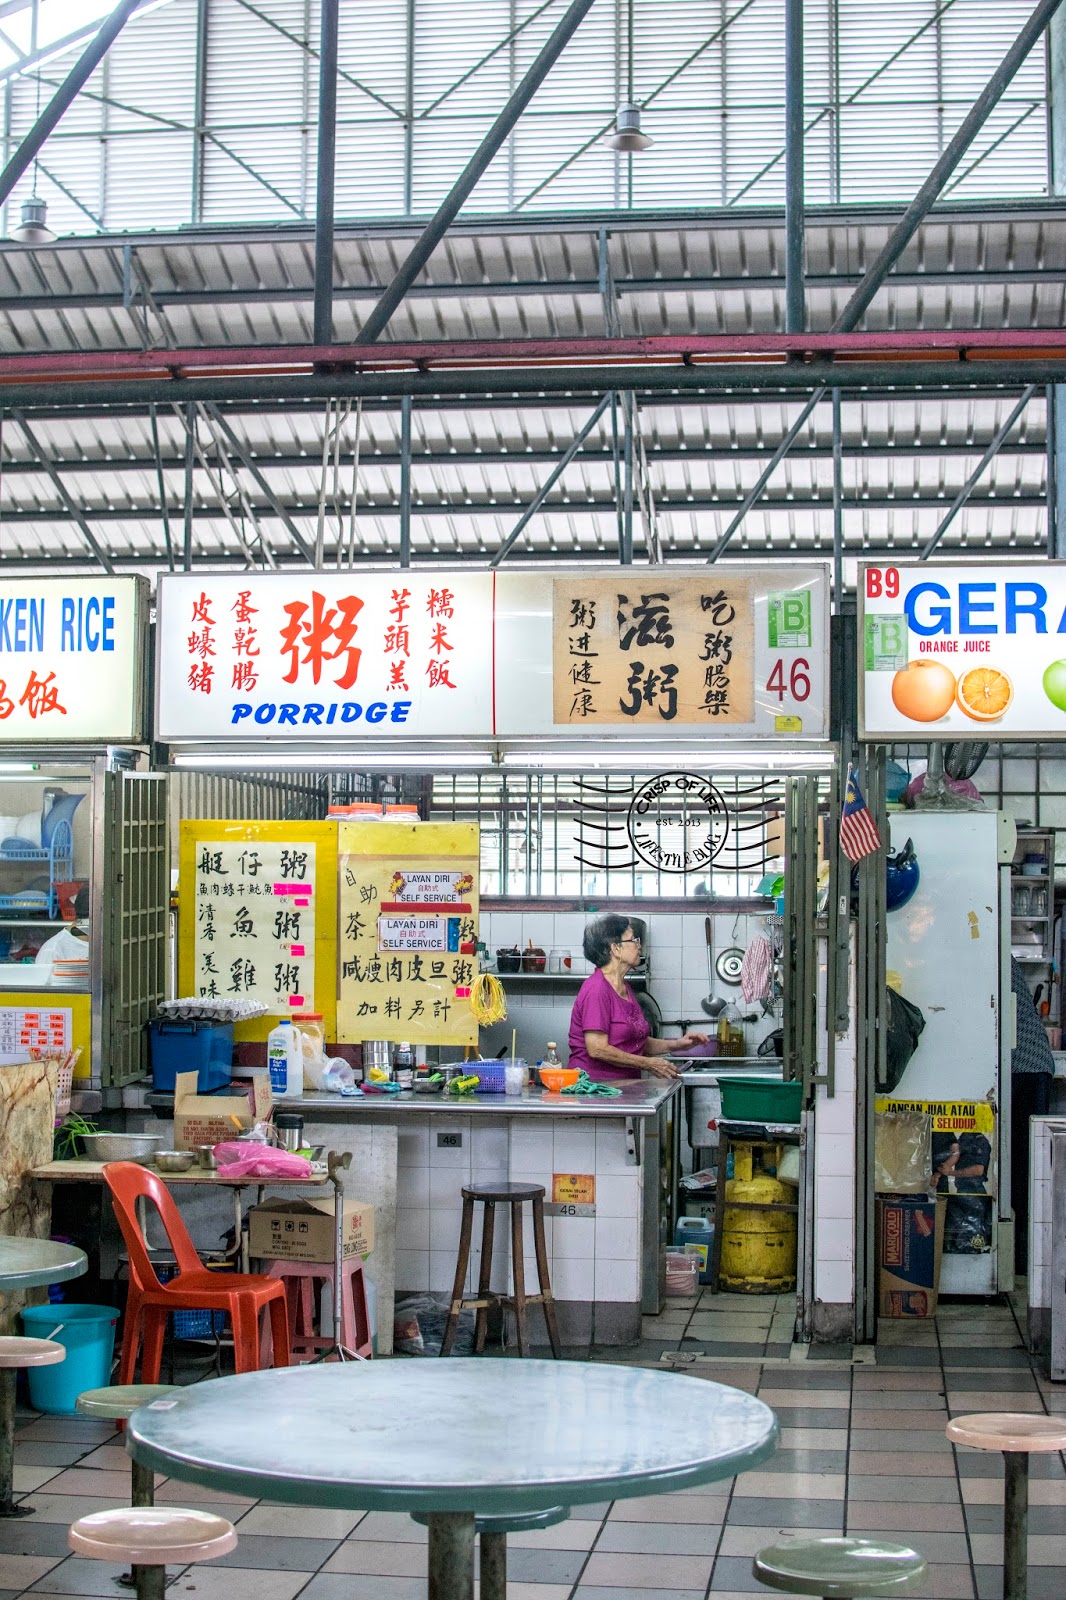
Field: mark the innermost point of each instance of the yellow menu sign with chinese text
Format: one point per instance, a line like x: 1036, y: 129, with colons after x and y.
x: 259, y: 917
x: 407, y: 934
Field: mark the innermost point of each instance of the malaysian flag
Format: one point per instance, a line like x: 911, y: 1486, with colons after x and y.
x: 858, y: 833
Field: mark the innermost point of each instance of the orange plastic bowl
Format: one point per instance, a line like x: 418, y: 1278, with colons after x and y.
x: 556, y: 1078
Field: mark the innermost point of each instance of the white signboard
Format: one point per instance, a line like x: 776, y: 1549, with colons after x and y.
x: 255, y: 923
x: 368, y: 657
x: 304, y: 656
x: 47, y: 1029
x: 962, y: 651
x: 414, y: 933
x: 72, y: 660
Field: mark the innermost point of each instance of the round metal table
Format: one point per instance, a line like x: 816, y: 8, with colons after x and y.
x: 26, y: 1264
x: 453, y: 1439
x: 31, y: 1263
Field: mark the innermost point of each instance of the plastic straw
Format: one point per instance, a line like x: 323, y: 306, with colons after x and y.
x: 514, y: 1036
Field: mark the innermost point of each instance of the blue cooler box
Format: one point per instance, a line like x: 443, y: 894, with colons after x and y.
x: 205, y: 1048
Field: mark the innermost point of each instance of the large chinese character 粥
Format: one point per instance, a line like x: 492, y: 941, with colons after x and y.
x: 311, y: 629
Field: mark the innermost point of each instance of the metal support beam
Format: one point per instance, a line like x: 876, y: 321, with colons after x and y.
x: 475, y: 168
x: 1056, y: 394
x: 241, y: 451
x: 66, y: 94
x: 971, y: 482
x: 931, y: 189
x: 58, y: 485
x: 550, y: 481
x: 625, y: 546
x: 405, y: 481
x: 326, y: 173
x: 795, y: 308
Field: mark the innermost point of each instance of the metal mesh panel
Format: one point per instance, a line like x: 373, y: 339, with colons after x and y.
x: 136, y: 872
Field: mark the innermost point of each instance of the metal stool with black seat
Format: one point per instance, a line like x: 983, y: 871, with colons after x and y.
x: 490, y: 1195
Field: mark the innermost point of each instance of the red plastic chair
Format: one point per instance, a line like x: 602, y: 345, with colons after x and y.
x: 242, y: 1296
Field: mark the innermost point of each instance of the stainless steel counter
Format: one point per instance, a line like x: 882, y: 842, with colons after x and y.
x: 641, y: 1099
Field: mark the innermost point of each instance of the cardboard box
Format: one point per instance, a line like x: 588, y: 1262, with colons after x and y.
x: 208, y: 1118
x: 302, y: 1230
x: 910, y: 1245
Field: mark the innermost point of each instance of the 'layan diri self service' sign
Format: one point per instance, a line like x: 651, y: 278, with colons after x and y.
x: 963, y: 651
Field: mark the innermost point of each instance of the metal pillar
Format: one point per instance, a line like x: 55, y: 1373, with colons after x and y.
x: 493, y: 1566
x: 795, y: 309
x: 451, y: 1555
x: 931, y: 189
x: 405, y: 481
x: 327, y: 162
x: 1015, y: 1524
x: 190, y: 460
x: 68, y: 91
x: 971, y: 482
x: 838, y: 505
x: 553, y: 478
x: 1056, y: 394
x: 8, y: 1508
x: 437, y: 227
x: 164, y: 511
x: 625, y: 544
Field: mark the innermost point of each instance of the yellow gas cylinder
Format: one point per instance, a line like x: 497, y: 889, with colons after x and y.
x: 758, y: 1247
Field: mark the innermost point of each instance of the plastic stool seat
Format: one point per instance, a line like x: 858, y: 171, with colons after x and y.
x: 16, y: 1351
x: 152, y: 1536
x: 1009, y: 1431
x: 119, y: 1401
x: 838, y: 1569
x: 302, y: 1281
x: 510, y: 1522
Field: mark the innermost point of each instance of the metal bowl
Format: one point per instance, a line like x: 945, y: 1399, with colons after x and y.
x: 174, y: 1160
x: 121, y: 1146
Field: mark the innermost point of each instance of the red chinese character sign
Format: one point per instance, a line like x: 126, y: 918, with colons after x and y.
x: 407, y: 945
x: 321, y: 655
x: 72, y: 660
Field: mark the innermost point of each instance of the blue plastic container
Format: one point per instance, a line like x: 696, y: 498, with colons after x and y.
x: 87, y: 1333
x: 696, y: 1234
x: 205, y: 1048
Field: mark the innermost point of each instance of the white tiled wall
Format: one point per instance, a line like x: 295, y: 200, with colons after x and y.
x: 591, y: 1258
x: 677, y: 952
x: 1040, y: 1210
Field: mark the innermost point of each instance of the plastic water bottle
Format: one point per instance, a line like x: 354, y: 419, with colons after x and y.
x: 552, y: 1058
x: 285, y: 1060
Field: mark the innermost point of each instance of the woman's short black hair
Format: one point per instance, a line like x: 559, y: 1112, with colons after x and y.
x: 81, y: 903
x: 601, y: 934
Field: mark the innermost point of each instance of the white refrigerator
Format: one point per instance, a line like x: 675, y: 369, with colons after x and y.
x: 950, y: 946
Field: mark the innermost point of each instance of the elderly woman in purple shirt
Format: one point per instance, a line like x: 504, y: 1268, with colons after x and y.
x: 609, y: 1034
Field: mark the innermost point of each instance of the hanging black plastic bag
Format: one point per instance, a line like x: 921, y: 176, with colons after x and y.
x: 905, y: 1027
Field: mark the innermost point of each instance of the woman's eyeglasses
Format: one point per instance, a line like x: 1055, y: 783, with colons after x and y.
x: 629, y: 941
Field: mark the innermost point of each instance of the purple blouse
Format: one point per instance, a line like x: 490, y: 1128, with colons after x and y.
x: 599, y: 1009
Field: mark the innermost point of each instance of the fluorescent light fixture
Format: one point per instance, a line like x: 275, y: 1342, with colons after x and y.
x: 669, y: 758
x: 340, y: 761
x: 20, y: 766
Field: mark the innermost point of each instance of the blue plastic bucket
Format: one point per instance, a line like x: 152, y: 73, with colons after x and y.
x: 88, y: 1335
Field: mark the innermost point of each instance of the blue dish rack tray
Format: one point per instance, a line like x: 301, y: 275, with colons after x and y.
x: 58, y: 857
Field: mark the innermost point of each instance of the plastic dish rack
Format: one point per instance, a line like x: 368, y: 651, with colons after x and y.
x: 491, y: 1076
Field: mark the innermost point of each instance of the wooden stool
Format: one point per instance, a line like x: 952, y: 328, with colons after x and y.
x: 1017, y: 1437
x: 838, y: 1569
x: 149, y: 1537
x: 514, y: 1195
x: 493, y: 1531
x: 303, y: 1282
x: 15, y: 1354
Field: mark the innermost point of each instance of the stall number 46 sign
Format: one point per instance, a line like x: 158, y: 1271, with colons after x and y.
x: 794, y: 620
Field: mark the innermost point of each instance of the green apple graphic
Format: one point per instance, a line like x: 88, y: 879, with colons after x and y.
x: 1055, y: 684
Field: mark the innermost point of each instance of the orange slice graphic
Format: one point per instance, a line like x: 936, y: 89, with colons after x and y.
x: 984, y: 693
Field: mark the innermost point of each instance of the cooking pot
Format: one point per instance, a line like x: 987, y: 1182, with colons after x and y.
x: 376, y: 1054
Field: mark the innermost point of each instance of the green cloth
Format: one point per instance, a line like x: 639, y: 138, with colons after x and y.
x: 585, y: 1085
